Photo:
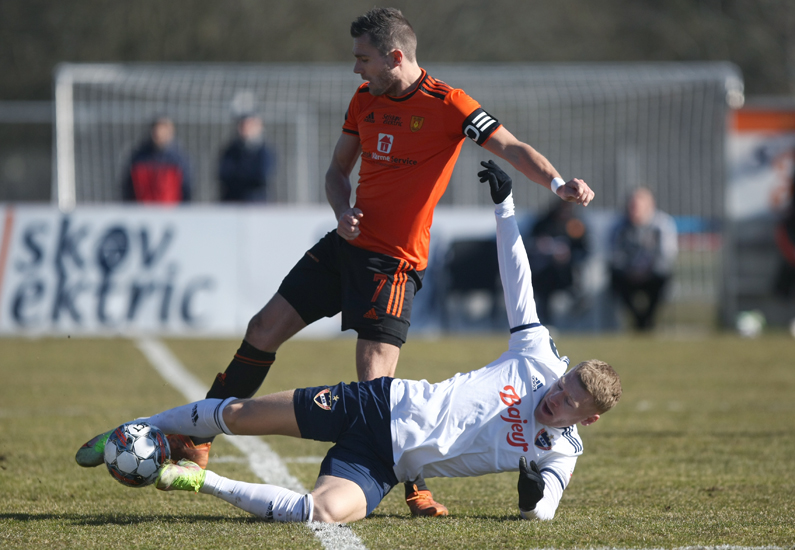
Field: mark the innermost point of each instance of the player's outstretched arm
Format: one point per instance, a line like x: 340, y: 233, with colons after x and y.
x: 511, y: 254
x: 338, y: 186
x: 536, y: 167
x: 531, y: 485
x: 539, y: 491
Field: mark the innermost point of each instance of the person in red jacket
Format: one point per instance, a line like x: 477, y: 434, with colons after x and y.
x: 159, y: 171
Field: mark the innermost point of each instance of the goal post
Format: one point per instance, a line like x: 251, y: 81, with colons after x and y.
x: 616, y: 125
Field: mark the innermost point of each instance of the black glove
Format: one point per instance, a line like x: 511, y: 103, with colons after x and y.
x: 499, y: 182
x: 531, y: 485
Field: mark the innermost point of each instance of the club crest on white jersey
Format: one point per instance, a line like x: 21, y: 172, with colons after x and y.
x: 543, y: 440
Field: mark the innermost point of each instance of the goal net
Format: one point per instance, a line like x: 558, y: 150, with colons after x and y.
x: 662, y: 125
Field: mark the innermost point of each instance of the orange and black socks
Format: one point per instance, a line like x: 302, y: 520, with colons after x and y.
x: 244, y: 375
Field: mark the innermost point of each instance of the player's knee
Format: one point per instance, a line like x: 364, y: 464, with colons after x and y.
x: 277, y: 322
x: 233, y: 413
x: 258, y: 326
x: 332, y: 511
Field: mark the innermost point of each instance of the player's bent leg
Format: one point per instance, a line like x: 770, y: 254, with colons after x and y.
x: 274, y: 324
x: 265, y: 415
x: 338, y: 500
x: 375, y: 359
x: 270, y: 328
x: 269, y: 502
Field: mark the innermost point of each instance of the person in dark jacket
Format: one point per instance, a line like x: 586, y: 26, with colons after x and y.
x: 158, y: 171
x: 246, y: 163
x: 643, y: 250
x: 557, y: 247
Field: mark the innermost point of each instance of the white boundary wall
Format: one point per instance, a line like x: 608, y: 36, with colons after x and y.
x: 134, y: 270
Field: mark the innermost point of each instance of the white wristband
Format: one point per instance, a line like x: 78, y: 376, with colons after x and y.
x: 556, y: 184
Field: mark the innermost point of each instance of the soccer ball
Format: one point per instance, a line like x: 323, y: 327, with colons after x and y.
x: 750, y: 323
x: 134, y: 453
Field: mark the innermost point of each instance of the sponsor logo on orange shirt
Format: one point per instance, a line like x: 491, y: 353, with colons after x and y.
x: 392, y: 120
x: 385, y: 143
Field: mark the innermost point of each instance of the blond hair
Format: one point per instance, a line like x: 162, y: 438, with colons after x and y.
x: 601, y: 381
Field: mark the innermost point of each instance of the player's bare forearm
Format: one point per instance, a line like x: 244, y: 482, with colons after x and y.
x: 338, y: 193
x: 338, y: 186
x: 536, y: 167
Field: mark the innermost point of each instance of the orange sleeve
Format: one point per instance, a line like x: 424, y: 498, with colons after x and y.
x: 351, y: 126
x: 472, y: 120
x: 464, y: 104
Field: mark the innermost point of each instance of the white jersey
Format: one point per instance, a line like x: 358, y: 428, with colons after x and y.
x: 482, y: 422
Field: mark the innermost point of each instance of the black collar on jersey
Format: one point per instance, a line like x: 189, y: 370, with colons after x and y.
x: 421, y: 84
x: 524, y: 327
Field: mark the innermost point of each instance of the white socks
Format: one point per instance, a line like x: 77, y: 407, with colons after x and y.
x: 201, y: 419
x: 269, y: 502
x: 205, y: 419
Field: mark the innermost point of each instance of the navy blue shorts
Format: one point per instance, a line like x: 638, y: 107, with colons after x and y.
x: 356, y: 418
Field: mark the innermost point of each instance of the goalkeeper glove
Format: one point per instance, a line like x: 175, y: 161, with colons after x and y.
x: 499, y: 182
x: 531, y: 485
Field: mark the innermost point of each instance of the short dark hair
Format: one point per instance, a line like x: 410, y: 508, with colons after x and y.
x: 388, y: 30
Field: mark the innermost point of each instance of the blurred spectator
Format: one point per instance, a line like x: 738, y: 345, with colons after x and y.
x: 642, y: 257
x: 158, y: 171
x: 785, y: 240
x: 246, y: 163
x: 556, y: 248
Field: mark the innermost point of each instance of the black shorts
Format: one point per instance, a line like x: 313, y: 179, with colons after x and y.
x: 356, y: 417
x: 373, y: 291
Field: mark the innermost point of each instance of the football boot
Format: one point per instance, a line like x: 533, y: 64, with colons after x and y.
x: 92, y: 453
x: 421, y: 503
x: 182, y: 476
x: 183, y: 447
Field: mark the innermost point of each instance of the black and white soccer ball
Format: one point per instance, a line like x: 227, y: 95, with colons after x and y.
x: 135, y: 452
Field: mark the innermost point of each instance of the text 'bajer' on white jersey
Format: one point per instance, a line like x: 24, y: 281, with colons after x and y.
x: 482, y: 422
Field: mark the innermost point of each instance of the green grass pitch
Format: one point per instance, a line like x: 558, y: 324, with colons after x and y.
x: 699, y: 452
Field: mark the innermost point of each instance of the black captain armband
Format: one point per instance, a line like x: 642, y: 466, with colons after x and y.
x: 479, y: 126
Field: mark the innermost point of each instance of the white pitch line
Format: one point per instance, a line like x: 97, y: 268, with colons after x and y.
x: 262, y: 460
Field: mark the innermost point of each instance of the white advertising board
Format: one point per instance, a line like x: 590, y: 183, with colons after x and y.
x: 146, y: 270
x: 760, y: 164
x: 110, y: 270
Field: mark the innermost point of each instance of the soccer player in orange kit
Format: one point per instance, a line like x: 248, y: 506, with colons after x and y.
x: 408, y: 128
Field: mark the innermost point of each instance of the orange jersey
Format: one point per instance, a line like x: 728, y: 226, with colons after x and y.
x: 409, y: 148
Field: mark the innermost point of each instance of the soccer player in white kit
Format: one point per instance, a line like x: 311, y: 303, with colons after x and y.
x: 519, y: 412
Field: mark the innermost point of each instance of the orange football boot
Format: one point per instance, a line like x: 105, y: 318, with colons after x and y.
x: 421, y: 503
x: 182, y: 447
